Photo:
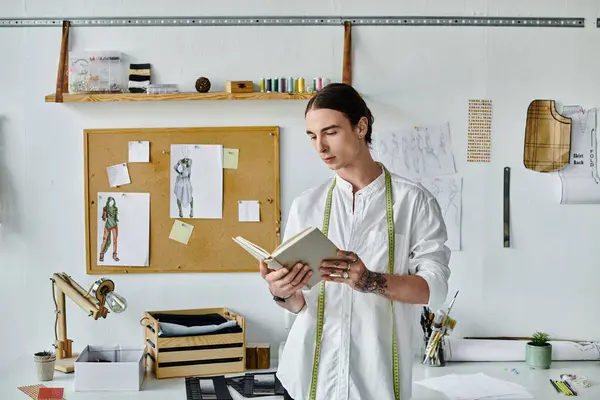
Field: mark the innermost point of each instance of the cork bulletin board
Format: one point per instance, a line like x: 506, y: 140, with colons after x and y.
x: 210, y: 247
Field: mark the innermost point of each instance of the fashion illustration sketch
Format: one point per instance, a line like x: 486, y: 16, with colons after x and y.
x: 183, y: 184
x: 110, y: 217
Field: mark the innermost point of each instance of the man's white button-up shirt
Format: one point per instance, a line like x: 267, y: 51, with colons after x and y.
x: 356, y: 348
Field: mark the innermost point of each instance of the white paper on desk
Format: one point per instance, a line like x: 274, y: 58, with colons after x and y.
x: 448, y: 192
x: 579, y: 179
x: 418, y: 152
x: 139, y: 151
x: 118, y: 175
x: 249, y: 211
x: 474, y: 387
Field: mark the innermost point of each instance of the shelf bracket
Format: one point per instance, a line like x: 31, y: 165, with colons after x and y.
x: 347, y: 62
x: 62, y: 78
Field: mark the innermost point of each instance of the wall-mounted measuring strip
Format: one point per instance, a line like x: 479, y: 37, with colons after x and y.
x: 506, y: 198
x: 300, y: 21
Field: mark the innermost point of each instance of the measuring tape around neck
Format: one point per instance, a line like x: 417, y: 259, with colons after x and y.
x: 321, y: 301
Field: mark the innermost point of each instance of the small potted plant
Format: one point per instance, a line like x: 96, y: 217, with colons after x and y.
x: 44, y: 362
x: 538, y: 352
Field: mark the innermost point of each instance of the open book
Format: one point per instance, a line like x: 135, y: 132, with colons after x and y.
x: 309, y: 246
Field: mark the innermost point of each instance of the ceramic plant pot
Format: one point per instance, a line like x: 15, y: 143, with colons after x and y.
x: 538, y: 357
x: 44, y: 364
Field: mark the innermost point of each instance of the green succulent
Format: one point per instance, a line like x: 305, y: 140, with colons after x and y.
x: 540, y: 339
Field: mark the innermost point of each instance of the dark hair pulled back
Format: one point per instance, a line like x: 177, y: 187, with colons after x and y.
x: 345, y: 99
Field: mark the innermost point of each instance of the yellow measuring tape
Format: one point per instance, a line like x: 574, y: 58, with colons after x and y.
x: 321, y: 302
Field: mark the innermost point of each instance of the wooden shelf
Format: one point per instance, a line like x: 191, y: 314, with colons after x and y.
x: 112, y: 97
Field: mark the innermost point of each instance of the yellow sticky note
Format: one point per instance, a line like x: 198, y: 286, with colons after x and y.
x: 181, y: 232
x: 230, y: 158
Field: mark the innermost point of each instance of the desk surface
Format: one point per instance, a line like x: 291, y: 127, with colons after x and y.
x: 22, y: 372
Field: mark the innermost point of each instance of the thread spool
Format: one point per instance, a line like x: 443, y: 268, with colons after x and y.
x: 296, y: 85
x: 319, y: 84
x: 290, y: 85
x: 301, y: 85
x: 314, y: 85
x: 269, y: 85
x: 275, y: 85
x: 262, y: 85
x: 281, y: 85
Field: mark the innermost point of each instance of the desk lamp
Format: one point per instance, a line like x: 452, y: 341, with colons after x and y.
x: 93, y: 302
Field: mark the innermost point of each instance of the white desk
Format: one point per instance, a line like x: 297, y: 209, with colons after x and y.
x: 22, y: 372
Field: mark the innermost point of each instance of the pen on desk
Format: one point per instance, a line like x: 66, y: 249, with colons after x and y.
x: 554, y: 386
x: 564, y: 388
x: 570, y: 388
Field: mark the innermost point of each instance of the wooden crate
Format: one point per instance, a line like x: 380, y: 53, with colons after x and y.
x: 210, y: 354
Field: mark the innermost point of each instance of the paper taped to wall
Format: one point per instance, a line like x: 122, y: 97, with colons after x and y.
x: 448, y: 192
x: 420, y: 152
x: 579, y: 179
x: 514, y: 350
x: 479, y: 131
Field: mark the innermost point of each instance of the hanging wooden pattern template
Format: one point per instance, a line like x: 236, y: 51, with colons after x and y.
x: 547, y: 137
x: 480, y: 131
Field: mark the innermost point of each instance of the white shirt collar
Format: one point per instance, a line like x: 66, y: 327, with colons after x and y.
x: 371, y: 188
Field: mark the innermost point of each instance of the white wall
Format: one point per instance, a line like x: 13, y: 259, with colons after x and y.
x: 408, y: 75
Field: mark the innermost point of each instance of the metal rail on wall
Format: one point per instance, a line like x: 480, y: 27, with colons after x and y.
x: 513, y: 22
x: 347, y: 22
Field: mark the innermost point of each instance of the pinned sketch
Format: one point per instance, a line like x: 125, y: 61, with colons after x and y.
x: 448, y: 192
x: 579, y: 179
x: 123, y: 232
x: 419, y: 152
x: 196, y: 181
x: 118, y: 175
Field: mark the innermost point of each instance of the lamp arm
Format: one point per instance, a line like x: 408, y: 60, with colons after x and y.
x: 77, y: 297
x: 75, y: 285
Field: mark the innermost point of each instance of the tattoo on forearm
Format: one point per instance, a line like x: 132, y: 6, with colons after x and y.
x: 371, y: 282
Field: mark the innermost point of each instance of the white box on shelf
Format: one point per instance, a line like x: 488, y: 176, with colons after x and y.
x: 109, y: 368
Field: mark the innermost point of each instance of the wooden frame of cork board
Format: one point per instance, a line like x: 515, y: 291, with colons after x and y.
x: 210, y: 247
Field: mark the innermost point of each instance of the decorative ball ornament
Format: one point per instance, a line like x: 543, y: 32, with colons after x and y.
x: 202, y: 85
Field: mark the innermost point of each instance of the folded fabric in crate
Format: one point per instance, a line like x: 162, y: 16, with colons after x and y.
x: 174, y: 325
x: 172, y: 330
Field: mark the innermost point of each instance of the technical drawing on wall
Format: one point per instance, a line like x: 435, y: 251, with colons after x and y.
x: 448, y: 192
x: 418, y: 152
x: 580, y: 183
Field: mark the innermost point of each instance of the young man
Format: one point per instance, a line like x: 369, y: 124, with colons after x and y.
x: 369, y: 295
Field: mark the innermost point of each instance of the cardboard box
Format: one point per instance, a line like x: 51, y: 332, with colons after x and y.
x: 109, y: 368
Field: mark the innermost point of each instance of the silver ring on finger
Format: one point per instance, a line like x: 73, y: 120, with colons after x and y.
x: 350, y: 263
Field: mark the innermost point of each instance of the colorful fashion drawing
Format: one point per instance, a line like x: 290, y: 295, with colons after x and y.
x: 111, y: 228
x: 183, y: 184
